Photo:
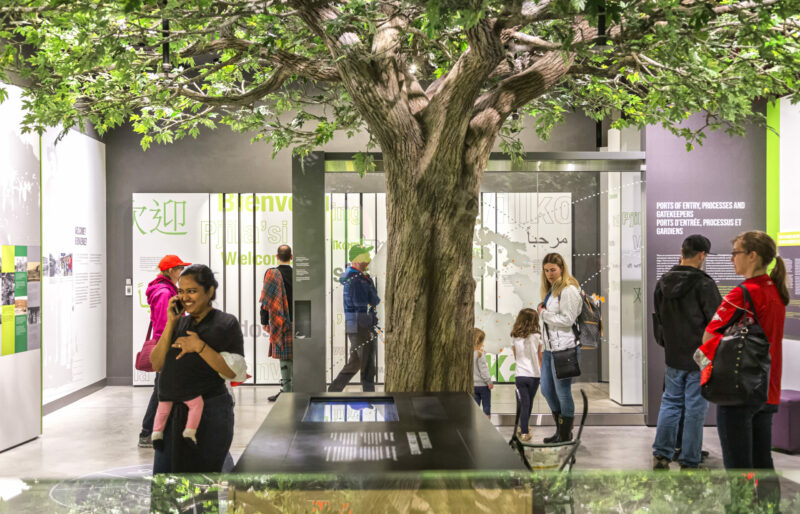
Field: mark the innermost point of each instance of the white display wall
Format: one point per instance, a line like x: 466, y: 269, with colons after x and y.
x: 74, y: 263
x: 237, y: 235
x: 20, y: 277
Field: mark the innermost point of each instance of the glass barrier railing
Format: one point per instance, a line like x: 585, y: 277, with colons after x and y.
x: 436, y: 492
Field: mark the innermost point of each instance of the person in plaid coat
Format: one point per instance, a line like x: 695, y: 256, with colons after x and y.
x: 276, y: 315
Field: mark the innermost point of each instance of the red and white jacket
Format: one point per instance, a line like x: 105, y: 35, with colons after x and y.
x: 771, y: 314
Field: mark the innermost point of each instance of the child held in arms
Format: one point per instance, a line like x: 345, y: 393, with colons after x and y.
x: 482, y: 380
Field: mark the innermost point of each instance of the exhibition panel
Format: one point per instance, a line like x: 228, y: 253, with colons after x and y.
x: 717, y: 190
x: 74, y: 263
x: 20, y: 276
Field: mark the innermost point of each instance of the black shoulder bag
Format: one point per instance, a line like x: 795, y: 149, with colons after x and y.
x: 740, y: 370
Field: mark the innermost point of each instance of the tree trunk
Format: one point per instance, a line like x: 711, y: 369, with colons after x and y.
x: 430, y: 292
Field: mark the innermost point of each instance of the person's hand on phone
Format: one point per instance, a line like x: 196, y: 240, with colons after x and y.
x: 174, y: 309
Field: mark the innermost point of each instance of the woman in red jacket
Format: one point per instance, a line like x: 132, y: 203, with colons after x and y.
x: 745, y: 431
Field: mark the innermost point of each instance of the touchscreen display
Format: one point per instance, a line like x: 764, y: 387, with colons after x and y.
x: 351, y: 410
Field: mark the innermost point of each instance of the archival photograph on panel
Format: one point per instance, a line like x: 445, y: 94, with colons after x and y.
x: 21, y: 306
x: 20, y: 264
x: 34, y: 315
x: 8, y: 281
x: 34, y: 265
x: 34, y: 271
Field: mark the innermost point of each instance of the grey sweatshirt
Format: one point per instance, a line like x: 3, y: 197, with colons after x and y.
x: 480, y: 370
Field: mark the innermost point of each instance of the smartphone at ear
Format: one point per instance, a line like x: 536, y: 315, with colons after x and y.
x: 178, y: 307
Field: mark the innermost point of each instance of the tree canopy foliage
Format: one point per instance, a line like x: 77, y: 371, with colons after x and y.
x: 260, y: 65
x: 433, y: 83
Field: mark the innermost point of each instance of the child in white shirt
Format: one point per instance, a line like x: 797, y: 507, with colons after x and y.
x: 527, y: 347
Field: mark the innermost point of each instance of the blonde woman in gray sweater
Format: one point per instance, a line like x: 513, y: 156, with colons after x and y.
x: 481, y: 378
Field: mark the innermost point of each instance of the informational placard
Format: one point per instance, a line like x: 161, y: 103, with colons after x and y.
x: 789, y: 250
x: 20, y: 277
x: 237, y: 235
x: 677, y: 219
x: 74, y: 263
x: 20, y: 313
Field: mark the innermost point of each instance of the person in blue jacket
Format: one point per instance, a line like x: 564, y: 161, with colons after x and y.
x: 361, y: 321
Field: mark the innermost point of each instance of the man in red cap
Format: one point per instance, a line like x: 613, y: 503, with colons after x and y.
x: 158, y: 293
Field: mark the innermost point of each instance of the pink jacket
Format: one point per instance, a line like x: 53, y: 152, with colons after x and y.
x: 158, y: 293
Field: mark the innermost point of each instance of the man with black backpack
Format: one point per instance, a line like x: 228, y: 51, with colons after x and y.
x: 685, y: 301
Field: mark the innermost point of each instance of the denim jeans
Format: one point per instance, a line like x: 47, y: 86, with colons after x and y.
x: 745, y: 435
x: 527, y: 387
x: 214, y: 437
x: 558, y: 393
x: 681, y: 395
x: 483, y: 397
x: 150, y: 413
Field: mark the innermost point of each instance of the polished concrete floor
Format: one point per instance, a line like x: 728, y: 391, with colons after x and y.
x: 99, y: 433
x: 504, y: 400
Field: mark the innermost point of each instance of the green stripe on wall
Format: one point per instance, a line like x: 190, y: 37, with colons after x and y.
x: 773, y: 169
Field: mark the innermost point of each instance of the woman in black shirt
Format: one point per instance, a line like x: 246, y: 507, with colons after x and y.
x: 195, y: 355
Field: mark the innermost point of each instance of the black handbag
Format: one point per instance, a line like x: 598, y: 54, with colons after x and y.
x: 566, y: 363
x: 741, y: 365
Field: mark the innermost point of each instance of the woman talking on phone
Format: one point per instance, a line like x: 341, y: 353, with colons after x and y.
x: 200, y: 348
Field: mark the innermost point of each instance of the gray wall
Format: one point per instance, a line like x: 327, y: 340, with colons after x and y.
x: 723, y: 169
x: 220, y: 161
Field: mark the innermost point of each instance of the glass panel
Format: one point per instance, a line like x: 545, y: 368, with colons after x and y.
x: 592, y: 218
x: 272, y: 222
x: 335, y: 350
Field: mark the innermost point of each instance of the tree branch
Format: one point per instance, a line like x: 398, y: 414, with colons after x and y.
x: 297, y: 64
x: 274, y: 83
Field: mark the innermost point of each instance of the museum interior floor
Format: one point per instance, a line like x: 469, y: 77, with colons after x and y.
x: 97, y: 436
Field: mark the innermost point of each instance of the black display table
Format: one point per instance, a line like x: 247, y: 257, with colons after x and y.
x: 432, y: 431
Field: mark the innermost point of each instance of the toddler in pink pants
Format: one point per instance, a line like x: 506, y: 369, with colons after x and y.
x: 192, y: 422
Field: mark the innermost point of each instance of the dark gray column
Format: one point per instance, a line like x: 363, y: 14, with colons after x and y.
x: 308, y: 238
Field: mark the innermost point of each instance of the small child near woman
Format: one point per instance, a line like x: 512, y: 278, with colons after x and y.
x: 527, y: 346
x: 481, y: 378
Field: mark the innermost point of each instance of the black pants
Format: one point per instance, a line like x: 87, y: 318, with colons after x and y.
x: 745, y: 435
x: 483, y: 397
x: 527, y: 387
x: 362, y: 359
x: 150, y: 413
